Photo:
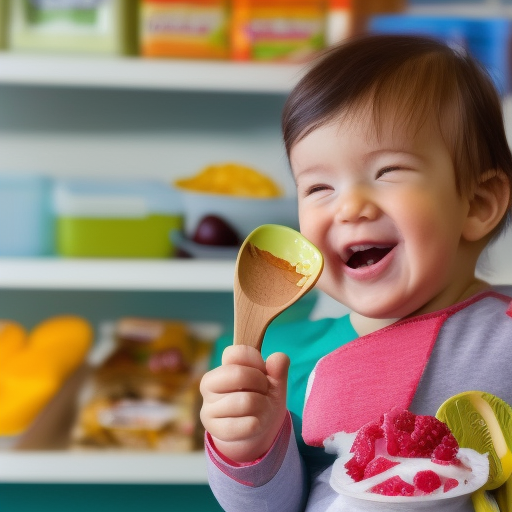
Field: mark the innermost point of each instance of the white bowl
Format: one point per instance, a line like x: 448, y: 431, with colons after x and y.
x: 243, y: 214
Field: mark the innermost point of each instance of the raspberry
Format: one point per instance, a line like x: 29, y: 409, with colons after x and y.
x: 378, y: 465
x: 446, y: 452
x: 409, y: 435
x: 404, y: 421
x: 427, y: 435
x: 363, y: 449
x: 450, y: 483
x: 393, y: 486
x: 427, y: 481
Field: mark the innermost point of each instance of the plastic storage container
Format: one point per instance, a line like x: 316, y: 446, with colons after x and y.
x: 487, y: 39
x: 101, y: 218
x: 26, y: 216
x: 189, y: 29
x: 277, y: 30
x: 97, y: 26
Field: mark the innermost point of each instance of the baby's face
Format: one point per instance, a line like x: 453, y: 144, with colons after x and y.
x: 385, y: 212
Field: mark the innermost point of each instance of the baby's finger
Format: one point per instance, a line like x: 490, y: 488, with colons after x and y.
x: 232, y: 378
x: 238, y: 405
x: 229, y: 431
x: 243, y: 355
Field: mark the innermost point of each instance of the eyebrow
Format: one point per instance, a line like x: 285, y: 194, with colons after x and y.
x: 372, y: 155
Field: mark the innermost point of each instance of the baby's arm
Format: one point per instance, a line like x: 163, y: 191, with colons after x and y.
x: 244, y: 402
x: 253, y: 460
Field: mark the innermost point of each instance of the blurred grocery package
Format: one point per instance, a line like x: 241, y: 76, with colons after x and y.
x: 145, y: 394
x: 26, y: 215
x: 487, y: 39
x: 277, y: 30
x: 35, y: 364
x: 111, y: 218
x: 187, y: 29
x: 94, y: 26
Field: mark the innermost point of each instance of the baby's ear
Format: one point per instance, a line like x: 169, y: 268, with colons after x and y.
x: 488, y: 205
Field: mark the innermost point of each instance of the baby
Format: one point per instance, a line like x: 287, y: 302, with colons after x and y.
x: 403, y: 172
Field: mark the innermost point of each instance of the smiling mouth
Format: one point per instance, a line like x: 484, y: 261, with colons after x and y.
x: 367, y: 255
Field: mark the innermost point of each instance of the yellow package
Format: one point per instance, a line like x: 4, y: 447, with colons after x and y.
x: 232, y: 179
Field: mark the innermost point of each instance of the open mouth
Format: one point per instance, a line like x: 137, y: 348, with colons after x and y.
x: 367, y: 255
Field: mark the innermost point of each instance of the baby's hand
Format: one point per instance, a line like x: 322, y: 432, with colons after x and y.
x: 244, y: 402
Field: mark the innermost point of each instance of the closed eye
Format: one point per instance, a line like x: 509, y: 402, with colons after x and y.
x: 317, y: 188
x: 386, y: 170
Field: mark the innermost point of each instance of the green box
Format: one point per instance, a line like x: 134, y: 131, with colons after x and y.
x: 102, y: 27
x: 107, y: 219
x: 117, y: 238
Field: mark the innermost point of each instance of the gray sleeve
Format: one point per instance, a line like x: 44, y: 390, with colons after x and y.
x: 286, y: 491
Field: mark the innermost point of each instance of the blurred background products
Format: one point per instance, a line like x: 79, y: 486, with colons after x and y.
x: 123, y: 218
x: 101, y: 26
x: 34, y: 365
x: 487, y: 39
x: 276, y: 30
x: 145, y: 395
x: 246, y: 30
x: 3, y: 23
x: 26, y: 215
x: 193, y: 29
x: 224, y: 202
x: 347, y: 18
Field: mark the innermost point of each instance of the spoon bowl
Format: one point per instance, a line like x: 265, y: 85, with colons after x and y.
x: 275, y: 267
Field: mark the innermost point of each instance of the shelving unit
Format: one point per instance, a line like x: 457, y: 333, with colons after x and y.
x: 102, y: 468
x: 117, y: 274
x: 55, y: 96
x: 141, y: 74
x: 230, y: 94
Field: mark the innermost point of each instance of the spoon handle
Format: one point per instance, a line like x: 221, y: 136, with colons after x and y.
x: 251, y: 321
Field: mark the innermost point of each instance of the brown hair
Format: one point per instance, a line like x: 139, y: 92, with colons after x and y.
x: 412, y: 78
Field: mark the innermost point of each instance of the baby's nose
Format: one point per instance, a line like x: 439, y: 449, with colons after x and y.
x: 356, y: 206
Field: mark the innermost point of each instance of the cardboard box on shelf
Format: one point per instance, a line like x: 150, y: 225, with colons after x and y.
x: 193, y: 29
x: 73, y: 26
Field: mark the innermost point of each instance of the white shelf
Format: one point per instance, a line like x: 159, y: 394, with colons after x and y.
x: 107, y: 467
x: 117, y: 274
x: 138, y: 73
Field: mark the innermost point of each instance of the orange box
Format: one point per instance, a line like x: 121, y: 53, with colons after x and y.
x: 184, y: 29
x: 277, y: 30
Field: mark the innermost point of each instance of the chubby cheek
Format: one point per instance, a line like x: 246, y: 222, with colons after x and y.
x: 314, y: 229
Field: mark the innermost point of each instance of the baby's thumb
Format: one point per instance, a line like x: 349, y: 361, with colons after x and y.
x: 277, y: 372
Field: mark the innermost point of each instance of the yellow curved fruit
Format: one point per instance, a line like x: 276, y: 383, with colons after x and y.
x: 62, y: 342
x: 483, y: 422
x: 13, y: 339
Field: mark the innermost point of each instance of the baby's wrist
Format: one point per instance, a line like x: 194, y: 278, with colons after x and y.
x: 248, y: 451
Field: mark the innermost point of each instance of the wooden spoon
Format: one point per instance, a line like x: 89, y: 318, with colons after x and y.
x: 275, y: 267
